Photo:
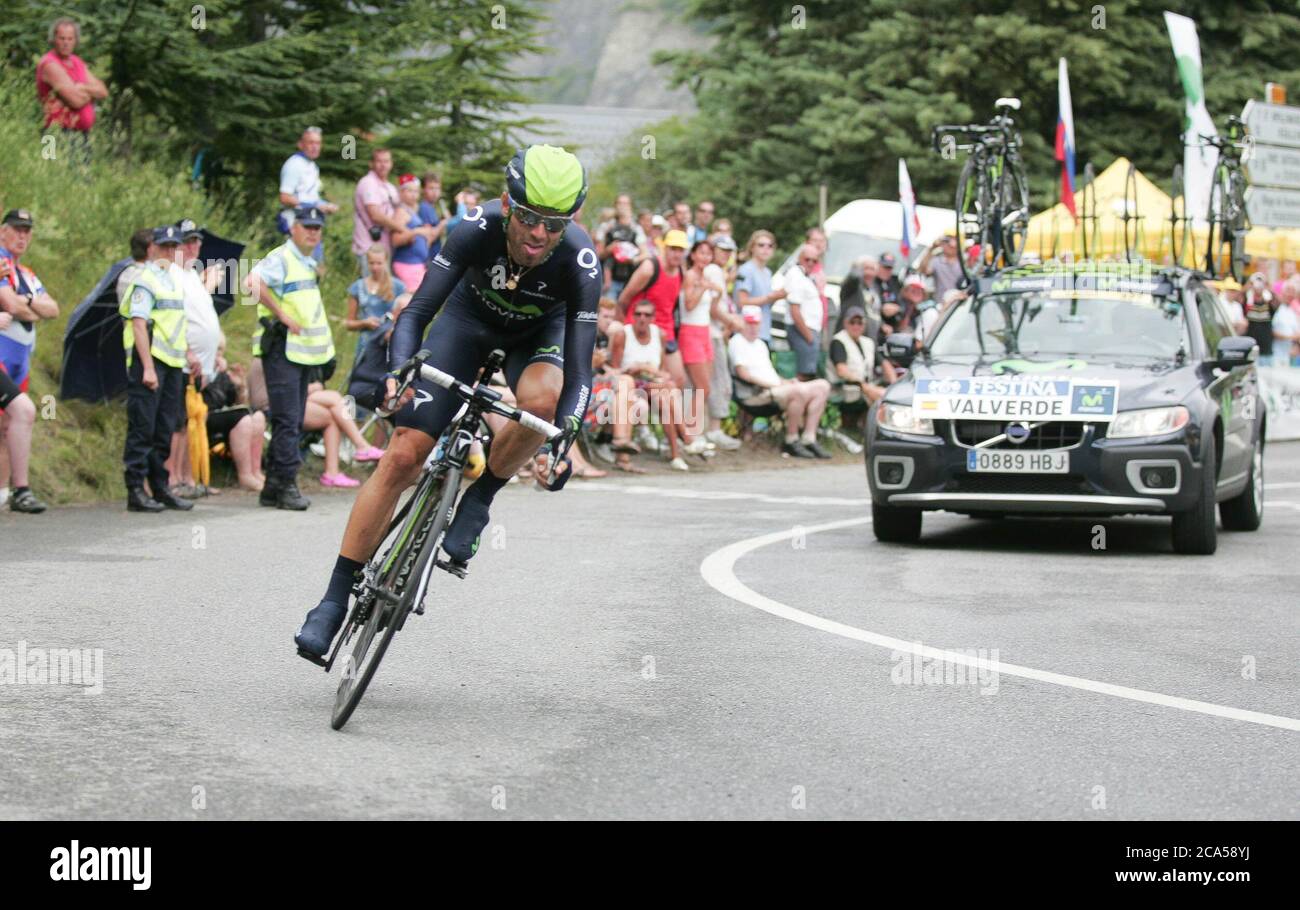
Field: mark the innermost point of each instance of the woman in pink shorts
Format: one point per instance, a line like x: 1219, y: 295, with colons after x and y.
x: 699, y: 290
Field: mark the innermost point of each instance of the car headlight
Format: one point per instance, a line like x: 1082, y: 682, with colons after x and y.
x: 901, y: 418
x: 1148, y: 422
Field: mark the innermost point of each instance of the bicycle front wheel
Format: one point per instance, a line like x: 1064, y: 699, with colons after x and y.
x: 396, y: 590
x: 1218, y: 242
x: 1013, y: 212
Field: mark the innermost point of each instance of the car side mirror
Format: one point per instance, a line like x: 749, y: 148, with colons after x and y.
x: 1235, y: 351
x: 900, y: 349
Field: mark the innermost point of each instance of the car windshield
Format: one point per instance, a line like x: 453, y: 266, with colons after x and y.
x: 1077, y: 323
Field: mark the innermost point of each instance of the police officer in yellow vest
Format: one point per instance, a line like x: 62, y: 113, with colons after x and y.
x: 153, y: 335
x: 293, y: 335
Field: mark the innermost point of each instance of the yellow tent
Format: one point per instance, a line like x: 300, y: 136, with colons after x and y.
x: 1273, y: 243
x: 1054, y: 232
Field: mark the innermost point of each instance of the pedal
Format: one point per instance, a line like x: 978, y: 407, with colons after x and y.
x: 318, y: 661
x: 454, y: 566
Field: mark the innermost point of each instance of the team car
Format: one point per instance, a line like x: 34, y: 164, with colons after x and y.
x: 1085, y: 389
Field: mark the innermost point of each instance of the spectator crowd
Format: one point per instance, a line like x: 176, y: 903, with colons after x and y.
x: 703, y: 341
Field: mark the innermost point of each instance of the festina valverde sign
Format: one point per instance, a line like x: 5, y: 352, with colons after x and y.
x: 1270, y: 207
x: 1273, y: 124
x: 1274, y: 165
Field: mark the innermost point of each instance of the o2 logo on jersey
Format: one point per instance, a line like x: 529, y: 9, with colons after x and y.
x: 476, y: 214
x: 587, y: 260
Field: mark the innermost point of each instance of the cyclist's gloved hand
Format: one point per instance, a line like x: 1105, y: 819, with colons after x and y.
x: 388, y: 387
x: 563, y: 466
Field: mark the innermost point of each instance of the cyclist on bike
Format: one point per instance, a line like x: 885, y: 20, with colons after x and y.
x: 517, y: 274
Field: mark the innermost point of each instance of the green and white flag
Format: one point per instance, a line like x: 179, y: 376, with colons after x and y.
x: 1198, y: 159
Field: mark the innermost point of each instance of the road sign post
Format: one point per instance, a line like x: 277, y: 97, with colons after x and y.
x: 1273, y: 164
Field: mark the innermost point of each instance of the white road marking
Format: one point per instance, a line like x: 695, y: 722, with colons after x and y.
x: 718, y: 569
x: 1282, y: 485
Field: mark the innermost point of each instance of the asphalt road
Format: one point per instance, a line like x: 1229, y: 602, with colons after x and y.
x: 590, y: 668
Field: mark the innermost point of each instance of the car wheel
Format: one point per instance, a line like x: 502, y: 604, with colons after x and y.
x: 894, y: 525
x: 1195, y: 531
x: 1244, y: 512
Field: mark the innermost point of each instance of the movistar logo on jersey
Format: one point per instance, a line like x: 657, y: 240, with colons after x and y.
x: 524, y: 311
x: 549, y: 349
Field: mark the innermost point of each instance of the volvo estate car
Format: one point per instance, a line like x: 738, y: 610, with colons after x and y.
x: 1089, y: 389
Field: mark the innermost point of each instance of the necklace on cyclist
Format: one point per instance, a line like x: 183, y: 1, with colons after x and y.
x: 512, y: 280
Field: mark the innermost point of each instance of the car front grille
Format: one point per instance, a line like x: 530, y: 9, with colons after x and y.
x: 1053, y: 435
x: 1037, y: 484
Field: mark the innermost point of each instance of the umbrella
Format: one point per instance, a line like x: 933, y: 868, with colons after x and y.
x: 225, y: 253
x: 94, y: 365
x: 196, y: 411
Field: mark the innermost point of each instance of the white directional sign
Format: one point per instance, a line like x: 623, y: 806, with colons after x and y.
x: 1268, y: 207
x: 1273, y: 124
x: 1274, y: 165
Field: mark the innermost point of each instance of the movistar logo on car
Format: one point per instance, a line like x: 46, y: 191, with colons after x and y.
x: 1093, y: 399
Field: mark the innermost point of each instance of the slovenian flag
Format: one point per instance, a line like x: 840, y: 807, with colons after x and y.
x: 911, y: 221
x: 1065, y: 140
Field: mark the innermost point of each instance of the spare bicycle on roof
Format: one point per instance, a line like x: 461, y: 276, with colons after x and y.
x: 992, y: 193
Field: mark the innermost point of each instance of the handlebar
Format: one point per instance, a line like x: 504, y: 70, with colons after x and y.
x: 486, y: 398
x: 981, y: 132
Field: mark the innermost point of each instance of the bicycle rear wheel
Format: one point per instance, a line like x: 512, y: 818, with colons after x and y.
x: 972, y: 209
x: 395, y: 591
x: 1240, y: 225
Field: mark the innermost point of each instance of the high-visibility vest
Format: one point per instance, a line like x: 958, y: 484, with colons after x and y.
x: 167, y: 316
x: 300, y: 300
x: 860, y: 357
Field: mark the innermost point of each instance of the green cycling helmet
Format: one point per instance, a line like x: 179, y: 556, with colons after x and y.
x: 547, y: 177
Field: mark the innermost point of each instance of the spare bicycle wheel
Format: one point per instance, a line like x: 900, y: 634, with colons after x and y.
x: 971, y: 231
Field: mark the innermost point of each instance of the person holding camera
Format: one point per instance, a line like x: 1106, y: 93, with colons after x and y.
x: 374, y: 208
x: 293, y: 337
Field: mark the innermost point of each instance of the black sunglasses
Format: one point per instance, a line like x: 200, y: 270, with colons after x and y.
x: 554, y: 224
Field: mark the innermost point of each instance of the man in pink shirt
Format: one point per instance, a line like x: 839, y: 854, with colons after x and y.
x: 817, y: 237
x: 66, y: 87
x: 374, y: 207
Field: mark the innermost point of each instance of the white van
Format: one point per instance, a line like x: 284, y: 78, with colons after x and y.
x: 866, y: 227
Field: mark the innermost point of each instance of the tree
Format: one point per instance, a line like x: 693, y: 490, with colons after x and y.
x: 837, y: 93
x: 237, y: 80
